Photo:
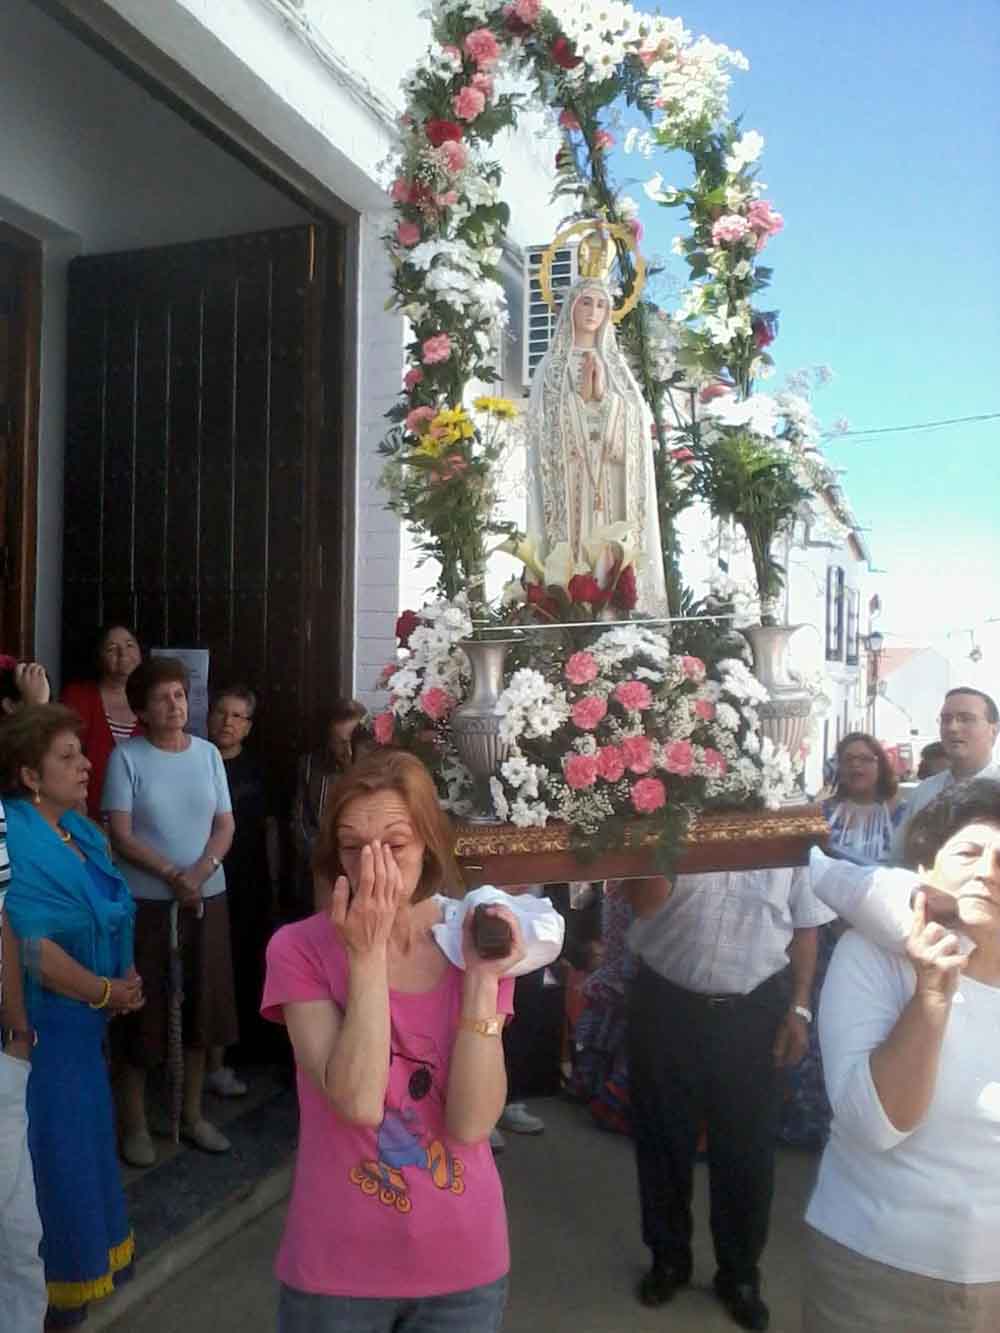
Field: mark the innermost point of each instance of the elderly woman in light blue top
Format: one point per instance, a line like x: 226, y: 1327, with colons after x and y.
x: 167, y: 800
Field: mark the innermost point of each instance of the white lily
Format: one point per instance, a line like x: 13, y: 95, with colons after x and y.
x: 523, y: 549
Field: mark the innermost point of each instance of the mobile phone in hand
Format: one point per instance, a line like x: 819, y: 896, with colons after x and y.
x: 491, y: 935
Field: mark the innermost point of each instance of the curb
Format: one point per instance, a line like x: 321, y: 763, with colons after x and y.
x: 177, y: 1255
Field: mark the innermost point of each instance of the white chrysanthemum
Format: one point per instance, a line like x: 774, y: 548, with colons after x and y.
x: 745, y: 150
x: 500, y: 803
x: 727, y: 717
x: 515, y: 769
x: 529, y: 815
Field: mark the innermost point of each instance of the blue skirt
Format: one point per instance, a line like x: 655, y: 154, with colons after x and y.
x: 87, y: 1244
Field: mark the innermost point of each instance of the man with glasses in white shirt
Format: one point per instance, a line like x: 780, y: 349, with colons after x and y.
x: 970, y: 723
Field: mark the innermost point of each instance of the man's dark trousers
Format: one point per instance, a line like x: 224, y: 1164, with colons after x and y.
x: 693, y: 1060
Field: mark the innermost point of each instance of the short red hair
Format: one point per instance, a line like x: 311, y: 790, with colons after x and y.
x: 403, y: 773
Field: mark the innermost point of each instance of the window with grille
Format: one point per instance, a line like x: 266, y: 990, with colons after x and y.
x: 835, y: 614
x: 539, y: 320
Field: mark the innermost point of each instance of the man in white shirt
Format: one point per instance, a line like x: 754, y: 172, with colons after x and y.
x: 719, y: 1007
x: 970, y: 723
x: 23, y: 1297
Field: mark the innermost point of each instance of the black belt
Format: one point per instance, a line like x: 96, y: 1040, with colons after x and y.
x: 711, y: 1001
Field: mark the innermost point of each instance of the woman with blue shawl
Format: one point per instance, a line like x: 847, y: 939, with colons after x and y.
x: 73, y: 914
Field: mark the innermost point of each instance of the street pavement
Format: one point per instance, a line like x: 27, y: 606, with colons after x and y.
x: 577, y: 1254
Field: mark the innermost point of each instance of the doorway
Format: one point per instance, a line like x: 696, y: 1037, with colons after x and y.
x: 20, y: 332
x: 204, y: 505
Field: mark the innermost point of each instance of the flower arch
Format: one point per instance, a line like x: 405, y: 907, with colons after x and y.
x: 580, y: 57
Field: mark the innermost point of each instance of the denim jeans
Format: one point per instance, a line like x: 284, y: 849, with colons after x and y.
x: 478, y: 1310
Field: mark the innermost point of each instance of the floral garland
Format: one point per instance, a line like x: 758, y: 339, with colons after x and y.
x: 622, y: 739
x: 581, y: 57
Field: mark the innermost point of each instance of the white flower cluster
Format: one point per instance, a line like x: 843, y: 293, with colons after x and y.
x: 432, y: 657
x: 531, y: 707
x: 454, y: 275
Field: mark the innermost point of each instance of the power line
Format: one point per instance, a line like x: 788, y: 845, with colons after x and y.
x: 920, y: 425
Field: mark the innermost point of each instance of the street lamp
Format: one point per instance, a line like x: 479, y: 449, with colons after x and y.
x: 875, y: 642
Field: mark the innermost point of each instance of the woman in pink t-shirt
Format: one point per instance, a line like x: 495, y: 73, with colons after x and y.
x: 397, y: 1217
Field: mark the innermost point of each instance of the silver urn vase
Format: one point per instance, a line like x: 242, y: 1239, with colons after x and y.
x: 475, y: 725
x: 785, y: 717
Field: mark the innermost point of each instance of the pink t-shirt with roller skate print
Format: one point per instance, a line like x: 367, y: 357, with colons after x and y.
x: 401, y: 1210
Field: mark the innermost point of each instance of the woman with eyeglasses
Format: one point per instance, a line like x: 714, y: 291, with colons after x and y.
x: 397, y: 1212
x: 863, y: 813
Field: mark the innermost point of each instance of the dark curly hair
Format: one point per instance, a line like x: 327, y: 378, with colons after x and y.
x: 960, y: 804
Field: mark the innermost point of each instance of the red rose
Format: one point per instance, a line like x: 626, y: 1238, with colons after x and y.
x: 441, y: 131
x: 585, y: 588
x: 405, y: 625
x: 626, y: 593
x: 763, y: 333
x: 563, y: 54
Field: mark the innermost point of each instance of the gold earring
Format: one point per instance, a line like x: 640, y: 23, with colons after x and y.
x: 36, y: 796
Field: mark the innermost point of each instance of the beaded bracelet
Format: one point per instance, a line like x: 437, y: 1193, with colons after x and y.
x: 102, y: 1002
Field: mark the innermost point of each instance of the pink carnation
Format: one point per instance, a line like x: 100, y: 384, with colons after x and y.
x: 436, y: 703
x: 567, y: 121
x: 610, y: 763
x: 580, y: 770
x: 452, y: 51
x: 763, y: 219
x: 412, y: 378
x: 633, y: 695
x: 400, y: 190
x: 468, y: 102
x: 447, y: 200
x: 484, y: 83
x: 603, y: 139
x: 436, y: 348
x: 407, y: 233
x: 694, y: 668
x: 588, y: 711
x: 383, y: 726
x: 637, y: 753
x: 418, y: 417
x: 730, y: 228
x: 483, y: 47
x: 705, y: 709
x: 581, y: 668
x: 454, y: 155
x: 648, y: 794
x: 678, y: 757
x: 714, y: 762
x: 528, y: 10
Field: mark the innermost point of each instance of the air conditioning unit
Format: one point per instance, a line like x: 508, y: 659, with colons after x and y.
x: 539, y: 321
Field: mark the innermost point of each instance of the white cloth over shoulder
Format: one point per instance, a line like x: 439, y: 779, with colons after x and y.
x: 541, y: 925
x: 876, y: 900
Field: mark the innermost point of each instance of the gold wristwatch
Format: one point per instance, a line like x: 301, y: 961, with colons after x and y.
x: 483, y: 1027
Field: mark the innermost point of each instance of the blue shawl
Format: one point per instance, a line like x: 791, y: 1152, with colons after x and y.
x: 53, y: 897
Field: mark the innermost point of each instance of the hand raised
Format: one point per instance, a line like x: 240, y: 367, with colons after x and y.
x: 934, y: 953
x: 364, y: 920
x: 32, y: 682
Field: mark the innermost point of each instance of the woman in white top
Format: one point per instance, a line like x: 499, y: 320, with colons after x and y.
x: 904, y: 1224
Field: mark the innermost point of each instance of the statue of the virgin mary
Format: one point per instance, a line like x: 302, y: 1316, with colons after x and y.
x: 590, y: 442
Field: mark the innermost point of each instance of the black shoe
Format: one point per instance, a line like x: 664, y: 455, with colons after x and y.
x: 661, y: 1283
x: 743, y: 1304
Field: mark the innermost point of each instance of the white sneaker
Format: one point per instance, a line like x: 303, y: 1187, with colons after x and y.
x: 497, y: 1141
x: 224, y: 1083
x: 205, y: 1136
x: 519, y: 1120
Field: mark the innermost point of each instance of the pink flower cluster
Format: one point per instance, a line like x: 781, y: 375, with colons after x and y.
x: 483, y: 47
x: 436, y: 703
x: 637, y: 754
x: 610, y: 763
x: 580, y: 770
x: 704, y: 709
x: 694, y: 668
x: 581, y: 668
x: 648, y: 794
x: 468, y: 102
x: 729, y: 229
x: 714, y: 762
x: 589, y: 711
x: 412, y: 378
x: 454, y: 155
x: 527, y: 10
x: 764, y: 221
x: 436, y: 349
x: 407, y: 233
x: 383, y: 726
x: 678, y: 757
x: 417, y: 418
x: 634, y: 695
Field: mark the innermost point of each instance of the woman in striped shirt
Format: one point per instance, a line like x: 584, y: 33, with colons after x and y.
x: 103, y: 706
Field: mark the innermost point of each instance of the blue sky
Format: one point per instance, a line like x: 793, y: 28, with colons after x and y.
x: 882, y: 128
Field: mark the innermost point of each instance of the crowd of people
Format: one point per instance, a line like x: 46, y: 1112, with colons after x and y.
x: 141, y: 868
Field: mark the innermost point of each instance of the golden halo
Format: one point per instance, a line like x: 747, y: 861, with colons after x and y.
x: 619, y: 231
